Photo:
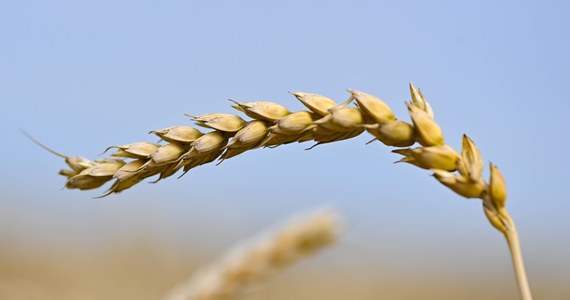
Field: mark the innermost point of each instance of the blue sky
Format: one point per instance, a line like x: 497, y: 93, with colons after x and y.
x: 81, y: 76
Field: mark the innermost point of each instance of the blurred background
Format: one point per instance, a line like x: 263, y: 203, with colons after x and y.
x: 81, y: 76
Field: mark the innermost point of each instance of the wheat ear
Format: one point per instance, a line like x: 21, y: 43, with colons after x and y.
x: 326, y: 121
x: 260, y: 258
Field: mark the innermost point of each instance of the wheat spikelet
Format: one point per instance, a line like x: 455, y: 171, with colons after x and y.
x: 260, y: 258
x: 325, y: 122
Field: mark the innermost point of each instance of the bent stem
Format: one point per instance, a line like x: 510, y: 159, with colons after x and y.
x: 512, y: 237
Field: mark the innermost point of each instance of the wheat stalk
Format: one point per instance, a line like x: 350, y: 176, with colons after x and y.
x: 326, y: 121
x: 260, y: 258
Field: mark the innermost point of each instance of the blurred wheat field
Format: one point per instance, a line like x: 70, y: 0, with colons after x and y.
x: 143, y: 269
x: 132, y: 250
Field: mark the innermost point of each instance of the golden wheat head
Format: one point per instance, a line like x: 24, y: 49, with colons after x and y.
x: 325, y: 121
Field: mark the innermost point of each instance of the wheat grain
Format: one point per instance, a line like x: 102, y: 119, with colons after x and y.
x: 260, y: 258
x: 325, y: 122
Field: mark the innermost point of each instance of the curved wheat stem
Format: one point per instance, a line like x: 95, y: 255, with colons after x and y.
x: 512, y: 237
x: 325, y: 121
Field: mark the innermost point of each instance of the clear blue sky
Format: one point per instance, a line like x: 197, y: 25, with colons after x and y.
x: 81, y: 76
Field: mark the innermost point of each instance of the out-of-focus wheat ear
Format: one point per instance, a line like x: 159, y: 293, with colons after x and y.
x: 261, y: 110
x: 178, y: 134
x: 374, y: 108
x: 435, y: 157
x: 134, y: 150
x: 218, y: 121
x: 260, y: 258
x: 316, y: 103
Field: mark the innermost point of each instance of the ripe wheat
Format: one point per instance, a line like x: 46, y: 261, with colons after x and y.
x: 263, y: 256
x: 325, y: 121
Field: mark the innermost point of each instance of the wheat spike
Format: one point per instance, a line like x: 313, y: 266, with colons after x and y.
x: 261, y: 258
x: 325, y: 122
